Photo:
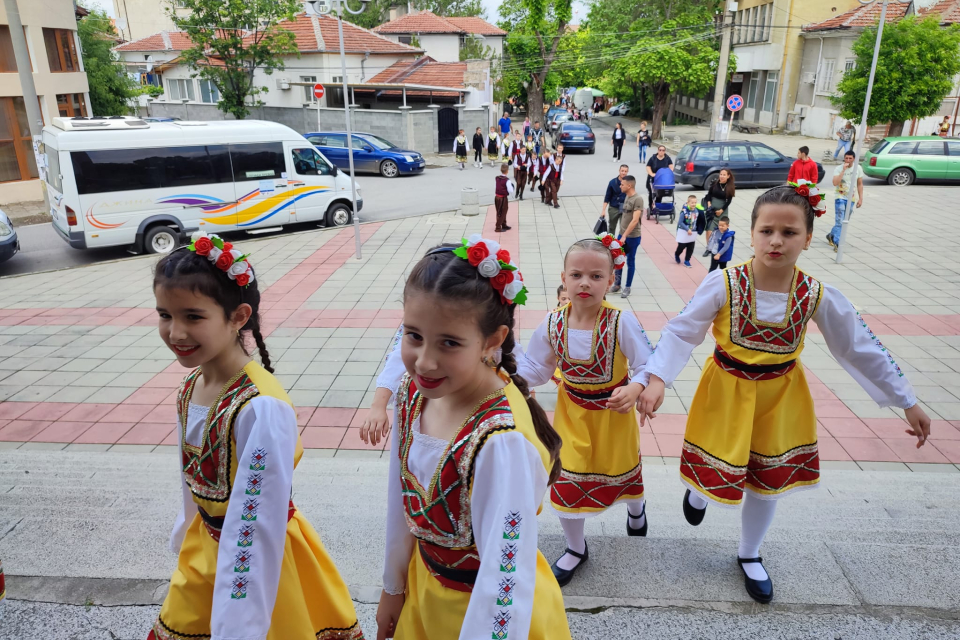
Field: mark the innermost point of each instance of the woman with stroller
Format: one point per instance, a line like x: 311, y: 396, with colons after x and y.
x: 654, y: 164
x: 717, y: 202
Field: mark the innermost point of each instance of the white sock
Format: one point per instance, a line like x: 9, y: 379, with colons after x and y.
x: 755, y: 519
x: 697, y: 501
x: 636, y: 507
x: 573, y: 532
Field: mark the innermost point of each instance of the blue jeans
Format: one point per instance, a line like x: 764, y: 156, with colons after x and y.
x: 839, y: 208
x: 842, y: 147
x: 643, y: 152
x: 630, y: 246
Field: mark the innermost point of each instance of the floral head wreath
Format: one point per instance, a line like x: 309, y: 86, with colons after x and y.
x: 223, y: 256
x: 809, y: 190
x: 494, y: 264
x: 616, y: 249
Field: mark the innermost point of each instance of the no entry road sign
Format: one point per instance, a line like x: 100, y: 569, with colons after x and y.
x: 318, y: 90
x: 735, y: 103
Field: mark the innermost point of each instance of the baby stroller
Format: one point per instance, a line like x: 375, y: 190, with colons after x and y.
x: 662, y: 200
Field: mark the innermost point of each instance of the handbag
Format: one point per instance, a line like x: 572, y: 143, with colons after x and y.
x: 600, y: 226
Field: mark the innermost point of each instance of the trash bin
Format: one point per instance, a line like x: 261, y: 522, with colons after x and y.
x: 469, y: 202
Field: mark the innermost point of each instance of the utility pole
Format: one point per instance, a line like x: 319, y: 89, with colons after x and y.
x: 719, y: 91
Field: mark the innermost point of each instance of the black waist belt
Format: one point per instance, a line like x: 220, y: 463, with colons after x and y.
x: 587, y: 395
x: 215, y: 522
x: 466, y: 576
x: 751, y: 368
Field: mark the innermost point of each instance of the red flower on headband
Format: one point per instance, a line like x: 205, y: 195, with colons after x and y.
x: 243, y: 279
x: 607, y: 241
x: 616, y: 253
x: 502, y: 279
x: 224, y: 261
x: 814, y: 200
x: 202, y: 246
x: 477, y: 253
x: 803, y: 190
x: 227, y: 246
x: 503, y: 256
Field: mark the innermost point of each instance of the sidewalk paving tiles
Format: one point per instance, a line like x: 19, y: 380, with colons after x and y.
x: 81, y: 364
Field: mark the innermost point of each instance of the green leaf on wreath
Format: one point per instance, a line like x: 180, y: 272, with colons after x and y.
x: 217, y: 242
x: 506, y: 267
x: 521, y: 297
x: 460, y: 252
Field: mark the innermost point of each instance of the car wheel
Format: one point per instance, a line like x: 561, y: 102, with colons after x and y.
x: 388, y: 169
x: 592, y: 150
x: 339, y: 215
x: 710, y: 180
x: 901, y: 177
x: 160, y: 239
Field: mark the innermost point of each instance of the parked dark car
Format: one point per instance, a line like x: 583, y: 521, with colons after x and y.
x: 371, y: 154
x: 753, y: 164
x: 575, y: 135
x: 9, y: 245
x: 552, y: 111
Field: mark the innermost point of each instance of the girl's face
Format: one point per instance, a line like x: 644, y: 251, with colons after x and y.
x: 586, y: 276
x: 193, y: 326
x: 724, y: 176
x: 442, y: 352
x: 779, y: 235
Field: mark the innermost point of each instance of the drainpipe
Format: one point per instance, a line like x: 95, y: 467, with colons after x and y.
x: 783, y: 63
x: 363, y: 73
x: 816, y: 76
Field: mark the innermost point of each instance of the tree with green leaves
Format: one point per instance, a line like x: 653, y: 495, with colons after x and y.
x: 232, y: 40
x: 111, y: 87
x: 452, y: 8
x: 474, y: 49
x: 375, y: 13
x: 918, y: 62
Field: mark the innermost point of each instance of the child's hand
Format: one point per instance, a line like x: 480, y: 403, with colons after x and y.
x: 919, y: 423
x: 375, y: 425
x: 651, y: 399
x: 624, y: 398
x: 689, y: 232
x: 716, y: 257
x: 388, y: 614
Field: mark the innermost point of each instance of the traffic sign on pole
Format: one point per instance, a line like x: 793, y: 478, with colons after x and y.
x: 735, y: 102
x: 318, y: 91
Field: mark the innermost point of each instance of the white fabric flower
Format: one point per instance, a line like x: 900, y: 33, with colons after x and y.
x: 214, y: 254
x: 489, y: 267
x: 512, y: 289
x: 620, y: 259
x: 250, y: 273
x: 237, y: 268
x: 474, y: 239
x: 614, y: 245
x: 236, y: 254
x: 197, y: 235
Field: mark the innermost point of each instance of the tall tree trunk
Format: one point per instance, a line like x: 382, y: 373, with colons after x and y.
x: 535, y: 104
x: 661, y: 95
x: 896, y: 129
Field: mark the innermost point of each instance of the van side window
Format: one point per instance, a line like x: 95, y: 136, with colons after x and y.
x: 132, y: 169
x: 188, y: 166
x: 307, y: 162
x: 259, y: 161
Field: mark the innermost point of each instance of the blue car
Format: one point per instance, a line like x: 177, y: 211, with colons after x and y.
x: 575, y: 136
x: 9, y: 245
x: 371, y: 154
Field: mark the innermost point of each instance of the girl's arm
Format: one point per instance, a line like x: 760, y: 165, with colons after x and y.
x: 399, y: 539
x: 188, y: 509
x: 635, y: 345
x: 248, y: 574
x: 375, y: 424
x: 508, y: 486
x: 538, y: 363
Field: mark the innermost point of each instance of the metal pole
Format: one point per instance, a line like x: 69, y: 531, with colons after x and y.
x: 720, y: 89
x: 346, y: 111
x: 860, y: 136
x: 24, y: 69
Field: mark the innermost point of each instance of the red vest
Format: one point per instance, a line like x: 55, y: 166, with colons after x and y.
x: 501, y: 189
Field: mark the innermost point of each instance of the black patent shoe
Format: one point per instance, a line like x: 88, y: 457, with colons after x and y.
x: 642, y: 531
x: 564, y: 576
x: 759, y: 590
x: 694, y: 516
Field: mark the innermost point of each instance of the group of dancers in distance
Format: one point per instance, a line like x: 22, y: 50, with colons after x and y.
x: 472, y: 454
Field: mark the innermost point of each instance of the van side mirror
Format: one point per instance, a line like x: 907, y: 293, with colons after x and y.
x: 334, y: 170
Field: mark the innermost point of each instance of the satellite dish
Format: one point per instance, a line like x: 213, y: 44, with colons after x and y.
x: 149, y: 63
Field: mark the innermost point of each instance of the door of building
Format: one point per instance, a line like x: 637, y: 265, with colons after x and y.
x: 448, y: 125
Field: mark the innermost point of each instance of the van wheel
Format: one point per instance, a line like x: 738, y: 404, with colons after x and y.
x: 160, y: 239
x: 339, y: 215
x: 901, y: 177
x: 388, y: 169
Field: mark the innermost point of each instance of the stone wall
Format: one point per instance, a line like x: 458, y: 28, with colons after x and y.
x: 470, y: 119
x: 423, y: 131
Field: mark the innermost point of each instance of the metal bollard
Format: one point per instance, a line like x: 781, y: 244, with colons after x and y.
x: 469, y: 202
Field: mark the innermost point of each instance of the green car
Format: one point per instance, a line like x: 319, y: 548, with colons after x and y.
x: 908, y: 159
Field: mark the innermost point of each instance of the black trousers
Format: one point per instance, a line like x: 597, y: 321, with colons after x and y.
x: 688, y: 246
x: 478, y: 155
x: 617, y: 148
x: 717, y: 264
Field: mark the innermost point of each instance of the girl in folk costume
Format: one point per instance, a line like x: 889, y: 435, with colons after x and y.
x: 493, y: 146
x: 478, y: 148
x: 521, y: 167
x: 530, y: 146
x: 751, y: 424
x: 600, y: 351
x: 250, y: 565
x: 472, y: 455
x: 460, y: 149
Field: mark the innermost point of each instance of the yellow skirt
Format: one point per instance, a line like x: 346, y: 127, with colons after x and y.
x: 759, y: 435
x: 313, y: 602
x: 600, y: 458
x: 435, y: 612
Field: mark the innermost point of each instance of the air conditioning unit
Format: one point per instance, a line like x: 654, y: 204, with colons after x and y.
x: 803, y: 110
x: 99, y: 123
x: 283, y: 84
x: 808, y: 77
x: 317, y: 7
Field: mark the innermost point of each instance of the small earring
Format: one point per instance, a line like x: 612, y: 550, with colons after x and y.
x: 485, y: 360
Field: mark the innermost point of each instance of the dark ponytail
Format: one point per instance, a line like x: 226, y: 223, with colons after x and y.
x: 184, y: 269
x: 443, y: 274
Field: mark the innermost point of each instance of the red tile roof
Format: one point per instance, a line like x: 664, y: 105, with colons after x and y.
x: 424, y: 71
x: 162, y: 41
x: 869, y: 14
x: 427, y: 22
x: 949, y: 11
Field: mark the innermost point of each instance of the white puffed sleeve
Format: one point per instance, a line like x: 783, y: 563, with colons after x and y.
x: 537, y: 364
x: 635, y: 345
x: 255, y: 527
x: 188, y: 510
x: 685, y: 331
x: 394, y: 368
x: 509, y: 483
x: 399, y: 539
x: 860, y: 352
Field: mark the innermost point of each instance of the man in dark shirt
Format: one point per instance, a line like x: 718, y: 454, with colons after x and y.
x: 613, y: 200
x: 654, y: 164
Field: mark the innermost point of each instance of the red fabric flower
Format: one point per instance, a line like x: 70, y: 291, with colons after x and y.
x: 202, y: 246
x: 803, y: 190
x: 502, y: 279
x: 243, y: 279
x: 477, y: 253
x: 227, y: 246
x: 814, y: 200
x: 616, y: 253
x: 503, y: 256
x: 607, y: 241
x: 819, y: 212
x: 225, y: 261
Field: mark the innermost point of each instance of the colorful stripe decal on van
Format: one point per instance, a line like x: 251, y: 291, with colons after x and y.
x: 100, y: 225
x: 250, y: 216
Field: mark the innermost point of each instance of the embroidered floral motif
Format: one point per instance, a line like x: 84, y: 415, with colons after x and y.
x: 254, y: 483
x: 241, y: 562
x: 501, y: 625
x: 239, y: 591
x: 246, y: 535
x: 508, y: 558
x: 352, y: 632
x: 250, y: 508
x: 258, y: 460
x: 878, y: 344
x: 505, y: 598
x: 599, y: 368
x: 511, y: 526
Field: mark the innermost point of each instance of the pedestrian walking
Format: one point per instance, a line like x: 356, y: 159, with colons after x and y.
x: 629, y: 233
x: 656, y: 162
x: 616, y: 139
x: 477, y: 566
x: 944, y: 127
x: 843, y: 191
x: 803, y: 168
x: 845, y: 139
x: 249, y: 564
x: 478, y: 148
x: 460, y: 149
x: 537, y: 134
x: 718, y: 199
x: 545, y: 167
x: 687, y: 230
x: 503, y: 189
x: 643, y: 141
x: 505, y: 125
x: 752, y: 427
x: 613, y: 200
x: 555, y: 178
x: 724, y: 252
x: 526, y: 126
x: 521, y: 167
x: 493, y: 146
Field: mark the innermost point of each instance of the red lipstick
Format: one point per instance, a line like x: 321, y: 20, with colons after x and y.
x: 583, y: 295
x: 429, y: 383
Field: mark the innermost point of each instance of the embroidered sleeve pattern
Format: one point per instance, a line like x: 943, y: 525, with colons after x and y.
x: 508, y: 566
x: 258, y: 464
x: 878, y: 344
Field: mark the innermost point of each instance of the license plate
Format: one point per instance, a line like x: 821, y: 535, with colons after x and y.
x: 578, y: 137
x: 420, y: 164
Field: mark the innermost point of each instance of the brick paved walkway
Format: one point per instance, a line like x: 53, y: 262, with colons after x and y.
x: 81, y: 365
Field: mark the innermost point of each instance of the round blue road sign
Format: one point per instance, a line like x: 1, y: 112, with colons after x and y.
x: 735, y: 103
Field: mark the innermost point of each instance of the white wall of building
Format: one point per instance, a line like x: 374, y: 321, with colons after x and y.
x: 141, y: 18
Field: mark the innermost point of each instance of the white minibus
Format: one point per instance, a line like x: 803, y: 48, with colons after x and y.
x: 123, y: 181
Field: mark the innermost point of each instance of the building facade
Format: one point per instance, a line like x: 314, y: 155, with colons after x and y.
x: 442, y: 38
x: 50, y: 27
x: 137, y: 19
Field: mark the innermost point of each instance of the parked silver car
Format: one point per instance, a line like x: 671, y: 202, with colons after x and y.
x: 9, y: 244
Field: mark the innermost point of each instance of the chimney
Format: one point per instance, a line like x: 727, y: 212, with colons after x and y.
x: 393, y: 13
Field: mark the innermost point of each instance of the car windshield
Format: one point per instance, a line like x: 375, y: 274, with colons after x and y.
x: 379, y: 142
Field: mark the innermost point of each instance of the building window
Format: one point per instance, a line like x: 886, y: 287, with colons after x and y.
x: 17, y: 161
x: 308, y: 89
x: 61, y: 50
x: 71, y: 105
x: 763, y: 22
x: 770, y: 90
x: 405, y: 39
x: 826, y: 75
x: 849, y: 65
x: 181, y: 89
x: 8, y: 62
x: 752, y: 93
x: 209, y: 92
